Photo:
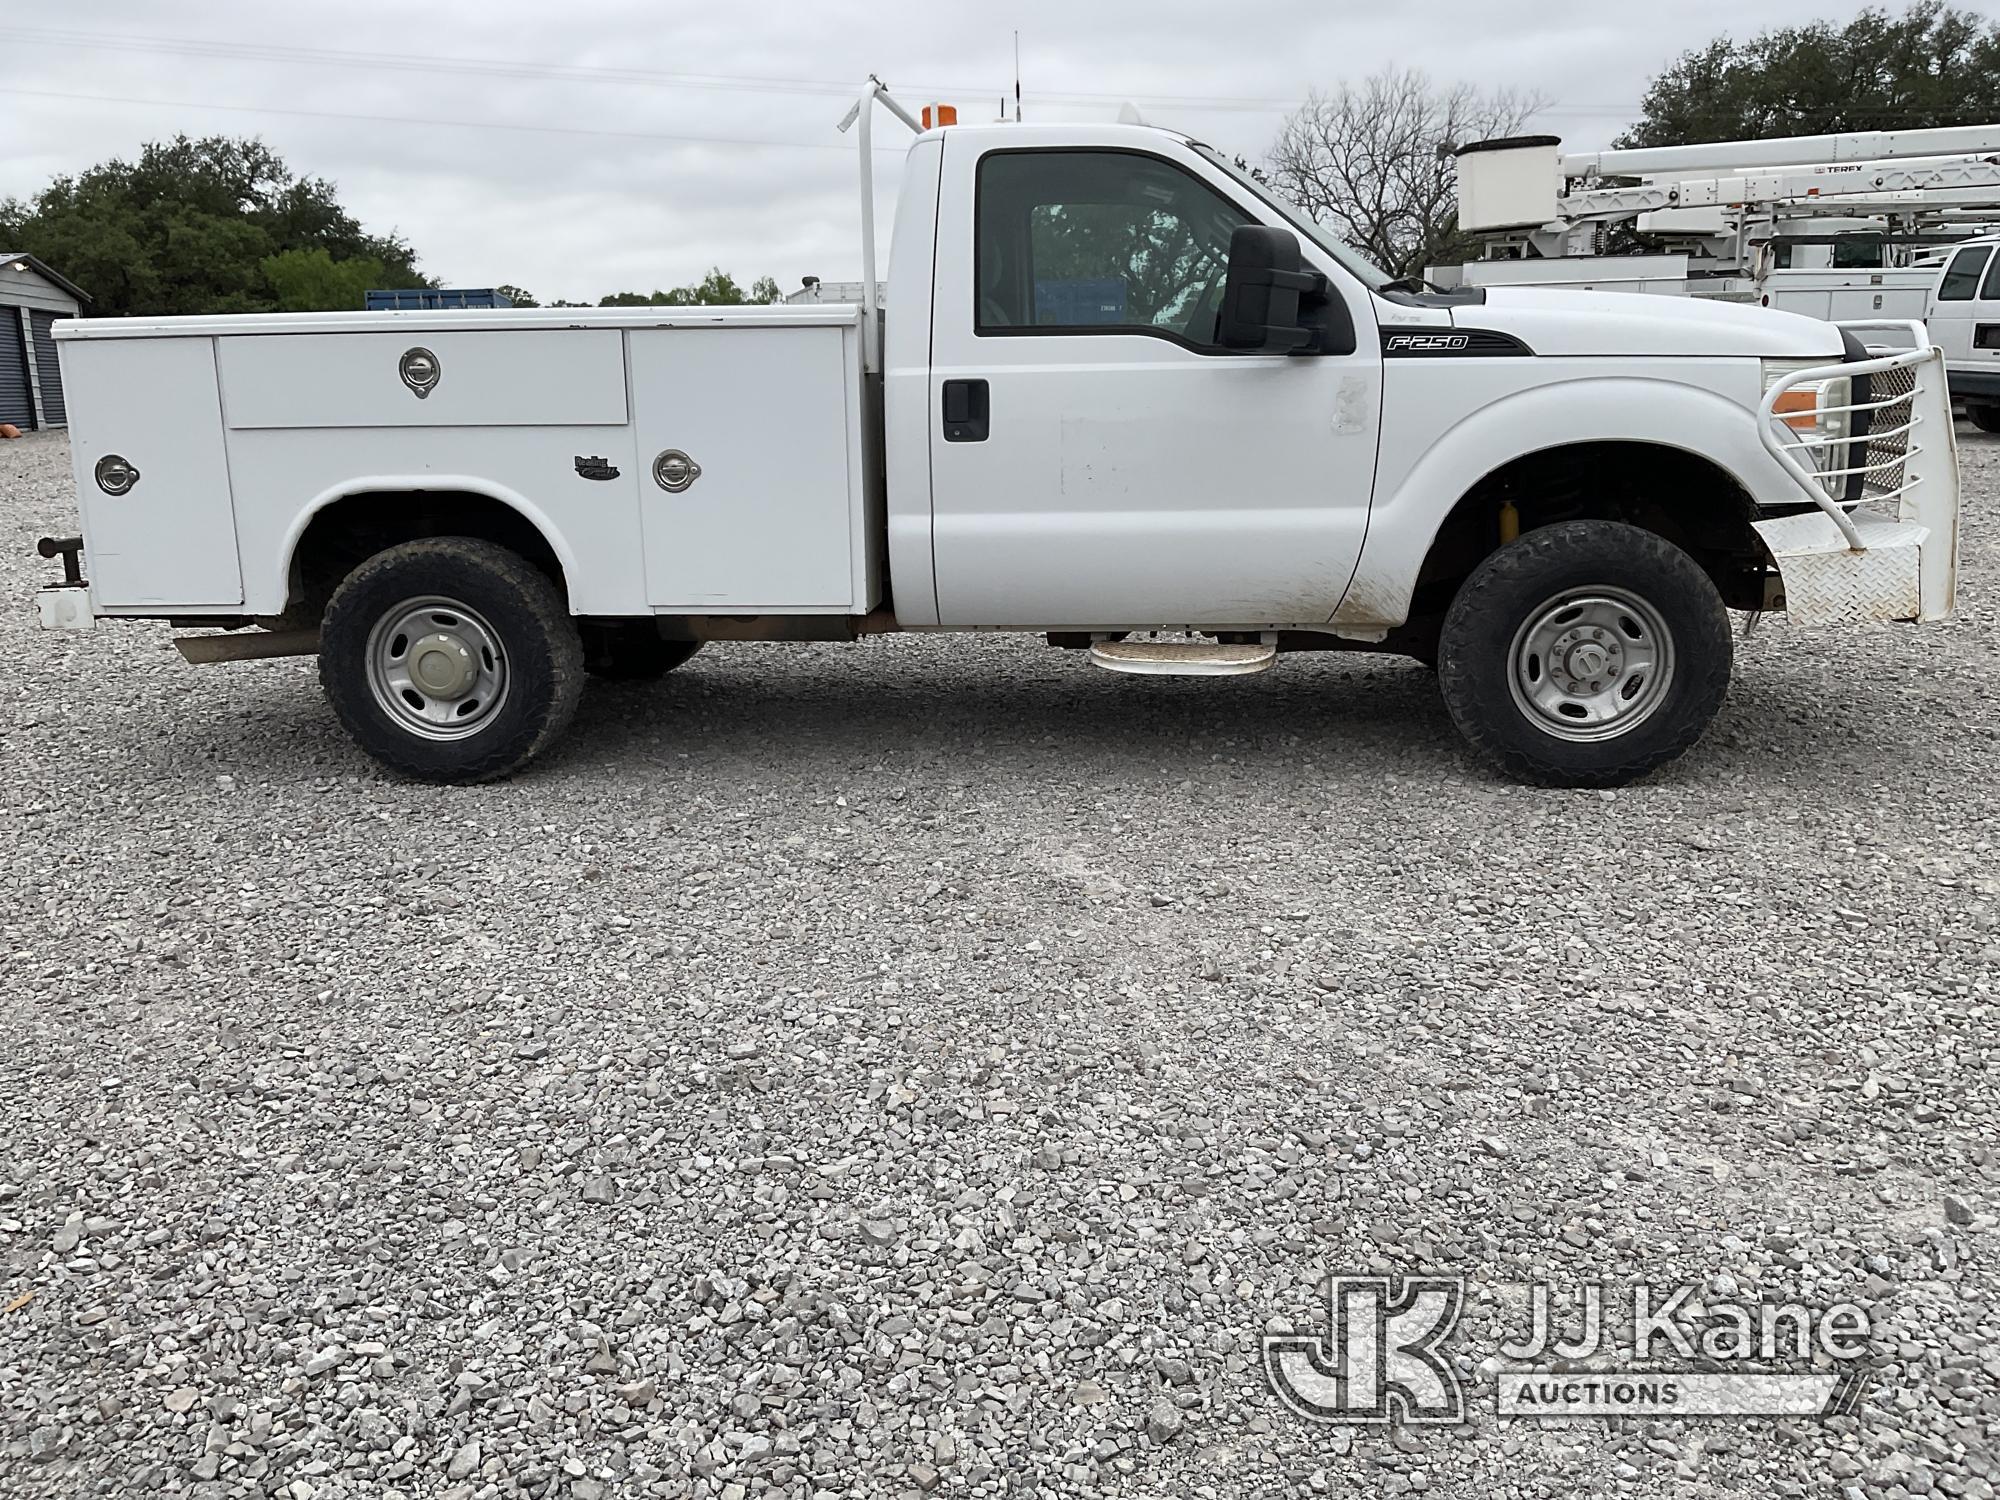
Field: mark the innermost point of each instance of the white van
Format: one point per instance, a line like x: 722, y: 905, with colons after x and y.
x: 1964, y: 321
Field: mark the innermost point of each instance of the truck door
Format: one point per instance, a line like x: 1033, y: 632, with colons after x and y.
x: 1097, y: 459
x: 1955, y: 307
x: 1983, y: 358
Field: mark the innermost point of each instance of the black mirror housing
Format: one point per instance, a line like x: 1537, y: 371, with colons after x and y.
x: 1263, y: 291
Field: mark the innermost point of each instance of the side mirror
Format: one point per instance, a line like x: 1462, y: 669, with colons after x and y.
x: 1262, y: 291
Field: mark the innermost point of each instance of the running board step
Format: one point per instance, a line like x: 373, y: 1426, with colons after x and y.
x: 1182, y: 658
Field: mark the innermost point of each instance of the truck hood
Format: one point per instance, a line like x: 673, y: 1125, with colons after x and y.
x: 1552, y: 321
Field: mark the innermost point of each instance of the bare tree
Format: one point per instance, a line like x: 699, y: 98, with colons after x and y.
x: 1374, y: 160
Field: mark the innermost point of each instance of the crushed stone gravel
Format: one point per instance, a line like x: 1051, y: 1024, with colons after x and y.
x: 928, y: 1067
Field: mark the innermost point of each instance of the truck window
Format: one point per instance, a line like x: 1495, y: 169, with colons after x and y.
x: 1989, y: 291
x: 1963, y: 275
x: 1100, y: 242
x: 1859, y: 252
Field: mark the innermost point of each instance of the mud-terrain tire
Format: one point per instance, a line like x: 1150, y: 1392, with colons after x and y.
x: 1585, y: 654
x: 451, y: 659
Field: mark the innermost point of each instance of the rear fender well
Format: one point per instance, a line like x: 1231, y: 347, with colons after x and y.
x: 280, y: 585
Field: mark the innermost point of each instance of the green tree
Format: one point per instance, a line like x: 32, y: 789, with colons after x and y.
x: 717, y: 289
x: 518, y: 297
x: 1154, y: 253
x: 313, y: 281
x: 1931, y: 66
x: 189, y: 228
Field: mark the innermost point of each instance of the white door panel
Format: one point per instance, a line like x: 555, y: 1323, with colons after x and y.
x: 170, y: 540
x: 1982, y: 333
x: 769, y: 415
x: 1955, y: 307
x: 1171, y: 488
x: 1132, y: 478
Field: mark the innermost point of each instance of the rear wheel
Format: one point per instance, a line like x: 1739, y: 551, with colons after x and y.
x: 451, y: 659
x: 631, y: 650
x: 1585, y: 654
x: 1985, y: 418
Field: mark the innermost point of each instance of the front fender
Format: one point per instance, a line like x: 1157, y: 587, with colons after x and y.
x: 1404, y: 520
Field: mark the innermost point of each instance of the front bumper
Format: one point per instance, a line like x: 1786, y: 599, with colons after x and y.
x: 1881, y: 542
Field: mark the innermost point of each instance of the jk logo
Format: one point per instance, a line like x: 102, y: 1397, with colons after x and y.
x: 1381, y: 1358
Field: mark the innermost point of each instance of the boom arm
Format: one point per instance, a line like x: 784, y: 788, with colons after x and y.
x: 1782, y: 151
x: 1853, y: 187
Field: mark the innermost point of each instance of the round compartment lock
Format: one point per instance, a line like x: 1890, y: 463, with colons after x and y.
x: 674, y: 471
x: 115, y: 475
x: 420, y: 371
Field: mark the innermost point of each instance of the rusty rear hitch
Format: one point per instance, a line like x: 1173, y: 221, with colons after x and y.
x: 70, y: 550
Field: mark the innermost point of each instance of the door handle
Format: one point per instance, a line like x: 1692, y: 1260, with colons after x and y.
x: 967, y: 411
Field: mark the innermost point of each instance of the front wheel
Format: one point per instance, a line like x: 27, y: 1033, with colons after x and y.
x: 1585, y: 654
x: 451, y: 659
x: 1985, y: 418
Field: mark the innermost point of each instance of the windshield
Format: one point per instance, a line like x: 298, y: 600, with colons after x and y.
x: 1370, y: 275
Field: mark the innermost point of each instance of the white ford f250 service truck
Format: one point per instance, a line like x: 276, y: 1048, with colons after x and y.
x: 1119, y: 394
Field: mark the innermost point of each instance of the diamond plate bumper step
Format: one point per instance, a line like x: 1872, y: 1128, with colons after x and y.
x: 1828, y: 583
x: 1182, y: 658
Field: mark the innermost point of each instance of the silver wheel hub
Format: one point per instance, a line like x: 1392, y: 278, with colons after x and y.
x: 442, y: 666
x: 1591, y: 664
x: 437, y: 668
x: 1583, y: 661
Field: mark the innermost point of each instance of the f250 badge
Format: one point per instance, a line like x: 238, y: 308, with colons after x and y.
x: 595, y: 468
x: 1427, y: 343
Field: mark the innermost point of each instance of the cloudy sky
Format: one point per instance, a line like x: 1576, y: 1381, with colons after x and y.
x: 603, y: 145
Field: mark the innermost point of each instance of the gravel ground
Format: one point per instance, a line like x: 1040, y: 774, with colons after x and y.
x: 930, y: 1065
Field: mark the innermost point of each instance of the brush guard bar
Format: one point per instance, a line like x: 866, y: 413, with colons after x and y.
x: 1882, y: 540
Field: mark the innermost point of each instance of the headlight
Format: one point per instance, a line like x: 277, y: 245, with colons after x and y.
x: 1818, y: 408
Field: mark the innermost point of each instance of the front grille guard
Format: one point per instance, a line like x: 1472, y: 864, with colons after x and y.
x: 1905, y: 453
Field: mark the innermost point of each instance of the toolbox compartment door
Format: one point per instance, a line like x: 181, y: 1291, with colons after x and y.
x: 170, y: 540
x: 517, y: 377
x: 773, y: 519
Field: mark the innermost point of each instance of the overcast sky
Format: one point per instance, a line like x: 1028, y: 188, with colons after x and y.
x: 605, y: 145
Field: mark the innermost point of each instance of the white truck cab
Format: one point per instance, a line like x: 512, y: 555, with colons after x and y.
x: 1119, y: 394
x: 1963, y: 317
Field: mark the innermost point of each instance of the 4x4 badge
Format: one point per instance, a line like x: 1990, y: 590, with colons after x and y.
x: 595, y: 468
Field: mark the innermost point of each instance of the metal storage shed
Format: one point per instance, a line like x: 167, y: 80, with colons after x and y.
x: 32, y: 297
